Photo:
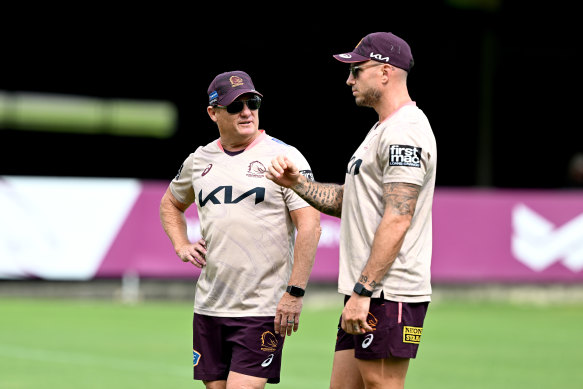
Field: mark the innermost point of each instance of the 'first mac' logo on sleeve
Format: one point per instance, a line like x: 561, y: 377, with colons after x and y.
x: 403, y: 155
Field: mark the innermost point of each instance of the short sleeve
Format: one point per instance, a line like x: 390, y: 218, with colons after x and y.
x: 402, y: 154
x: 181, y: 185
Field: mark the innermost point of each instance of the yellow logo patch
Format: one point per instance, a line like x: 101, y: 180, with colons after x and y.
x: 412, y: 334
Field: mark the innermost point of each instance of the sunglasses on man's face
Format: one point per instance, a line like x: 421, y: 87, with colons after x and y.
x: 355, y: 69
x: 237, y: 106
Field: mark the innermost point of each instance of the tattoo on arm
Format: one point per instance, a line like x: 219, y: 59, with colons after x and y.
x: 326, y: 198
x: 401, y: 197
x: 363, y: 280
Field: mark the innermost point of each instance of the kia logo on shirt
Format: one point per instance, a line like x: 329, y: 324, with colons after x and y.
x: 227, y: 190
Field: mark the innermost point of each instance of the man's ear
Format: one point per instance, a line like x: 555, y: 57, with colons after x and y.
x: 212, y: 114
x: 387, y: 72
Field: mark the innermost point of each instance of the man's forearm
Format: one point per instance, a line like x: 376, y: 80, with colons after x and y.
x: 326, y: 198
x: 304, y: 255
x: 386, y: 245
x: 173, y: 222
x: 400, y: 201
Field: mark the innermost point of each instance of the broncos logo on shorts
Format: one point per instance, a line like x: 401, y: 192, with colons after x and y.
x: 372, y: 321
x: 268, y: 341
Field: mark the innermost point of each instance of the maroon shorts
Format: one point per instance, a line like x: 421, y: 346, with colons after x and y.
x: 397, y: 329
x: 246, y: 345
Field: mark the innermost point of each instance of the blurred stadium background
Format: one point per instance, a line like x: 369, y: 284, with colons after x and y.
x: 99, y: 109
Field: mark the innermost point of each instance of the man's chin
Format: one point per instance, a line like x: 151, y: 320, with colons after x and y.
x: 247, y: 130
x: 360, y: 102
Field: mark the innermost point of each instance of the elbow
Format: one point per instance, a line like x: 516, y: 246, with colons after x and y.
x: 161, y: 210
x: 164, y: 206
x: 398, y: 225
x: 403, y: 225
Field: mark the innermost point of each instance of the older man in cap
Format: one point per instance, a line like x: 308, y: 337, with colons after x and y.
x: 254, y: 273
x: 385, y: 230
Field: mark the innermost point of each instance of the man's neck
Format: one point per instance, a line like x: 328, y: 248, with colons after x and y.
x: 238, y: 143
x: 391, y: 106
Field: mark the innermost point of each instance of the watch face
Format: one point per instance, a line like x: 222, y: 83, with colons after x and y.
x: 361, y: 290
x: 295, y: 291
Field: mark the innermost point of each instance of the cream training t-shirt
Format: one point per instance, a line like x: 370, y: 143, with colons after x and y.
x: 245, y: 221
x: 401, y: 149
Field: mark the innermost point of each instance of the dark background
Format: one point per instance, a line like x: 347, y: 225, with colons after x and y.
x: 498, y: 80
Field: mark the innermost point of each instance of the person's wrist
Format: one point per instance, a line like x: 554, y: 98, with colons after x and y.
x: 300, y: 184
x: 295, y: 291
x: 361, y: 290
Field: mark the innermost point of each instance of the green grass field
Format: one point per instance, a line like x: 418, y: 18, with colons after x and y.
x: 98, y: 344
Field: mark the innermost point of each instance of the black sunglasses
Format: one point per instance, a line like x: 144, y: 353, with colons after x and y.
x: 237, y: 106
x: 355, y: 69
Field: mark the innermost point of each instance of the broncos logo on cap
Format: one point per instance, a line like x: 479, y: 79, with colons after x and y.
x: 235, y: 81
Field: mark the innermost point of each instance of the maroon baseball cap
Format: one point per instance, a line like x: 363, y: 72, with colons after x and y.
x: 226, y: 87
x: 384, y: 47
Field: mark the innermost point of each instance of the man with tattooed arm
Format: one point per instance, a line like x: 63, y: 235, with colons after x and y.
x: 385, y: 207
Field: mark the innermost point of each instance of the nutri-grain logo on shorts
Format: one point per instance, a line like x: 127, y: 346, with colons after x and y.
x: 404, y: 155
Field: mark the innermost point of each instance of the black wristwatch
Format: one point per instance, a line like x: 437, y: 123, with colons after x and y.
x: 361, y: 290
x: 295, y: 291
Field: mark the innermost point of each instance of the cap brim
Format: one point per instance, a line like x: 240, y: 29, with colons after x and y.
x: 230, y: 97
x: 350, y: 57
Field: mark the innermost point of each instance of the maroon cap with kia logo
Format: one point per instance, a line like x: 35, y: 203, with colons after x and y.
x: 384, y: 47
x: 226, y: 87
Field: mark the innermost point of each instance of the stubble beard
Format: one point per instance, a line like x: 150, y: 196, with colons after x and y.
x: 369, y: 98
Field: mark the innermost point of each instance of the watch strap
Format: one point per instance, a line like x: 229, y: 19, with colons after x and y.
x: 295, y: 291
x: 361, y: 290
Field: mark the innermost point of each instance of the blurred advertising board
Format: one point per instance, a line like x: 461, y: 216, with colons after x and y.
x: 84, y: 228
